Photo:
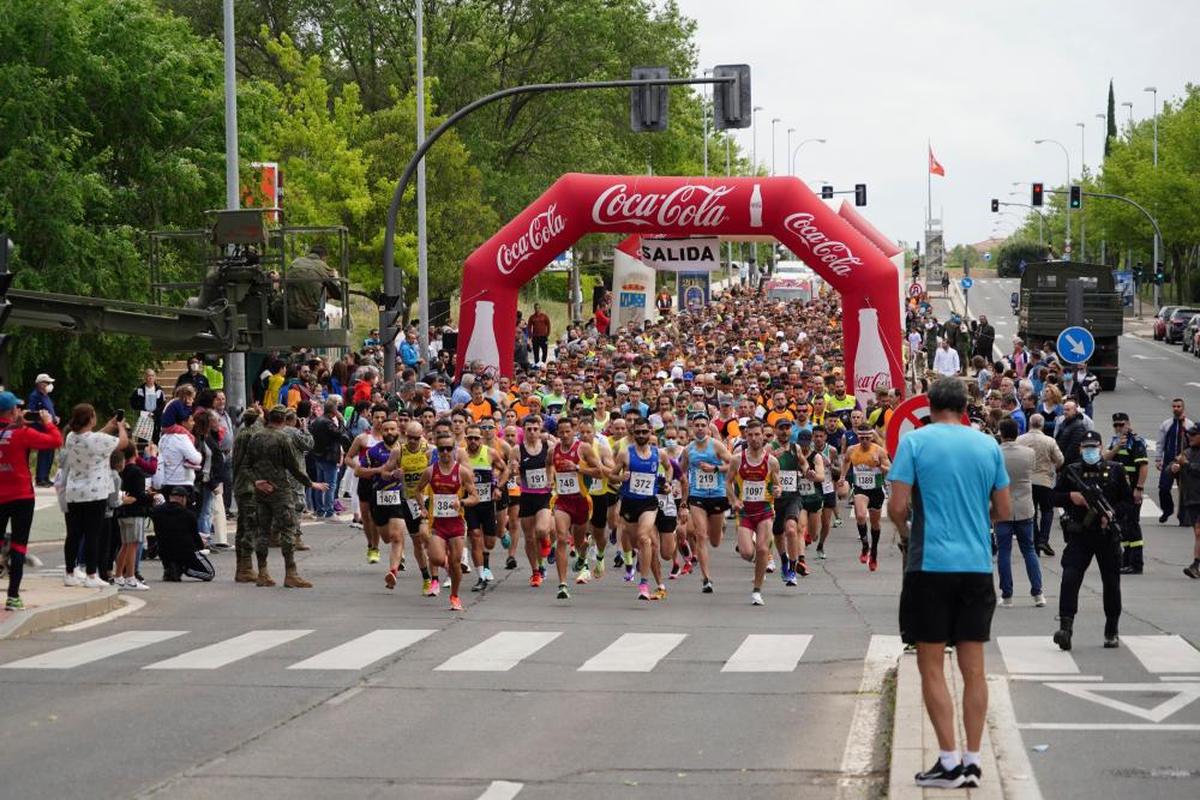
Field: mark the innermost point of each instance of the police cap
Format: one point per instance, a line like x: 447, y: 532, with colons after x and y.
x: 1090, y: 439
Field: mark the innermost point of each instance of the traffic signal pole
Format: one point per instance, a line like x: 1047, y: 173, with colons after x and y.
x: 392, y: 285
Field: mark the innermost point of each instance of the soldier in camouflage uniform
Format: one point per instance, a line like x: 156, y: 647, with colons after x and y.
x: 308, y: 283
x: 302, y: 440
x: 271, y: 461
x: 243, y: 492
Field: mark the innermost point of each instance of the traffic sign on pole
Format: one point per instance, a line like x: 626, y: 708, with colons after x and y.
x: 1075, y: 345
x: 966, y: 283
x: 911, y: 414
x: 916, y: 290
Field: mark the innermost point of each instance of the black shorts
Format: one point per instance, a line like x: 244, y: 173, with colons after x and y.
x: 710, y: 505
x: 830, y: 500
x: 947, y: 607
x: 874, y: 497
x: 382, y: 515
x: 366, y: 490
x: 785, y: 508
x: 501, y: 498
x: 482, y: 517
x: 531, y: 504
x: 812, y: 505
x: 411, y: 521
x: 666, y: 524
x: 601, y: 503
x: 632, y: 508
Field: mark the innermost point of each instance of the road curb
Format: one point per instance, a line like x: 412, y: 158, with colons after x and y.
x: 914, y: 746
x: 66, y: 612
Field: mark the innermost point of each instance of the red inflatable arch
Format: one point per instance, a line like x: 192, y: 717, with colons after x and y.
x: 783, y: 207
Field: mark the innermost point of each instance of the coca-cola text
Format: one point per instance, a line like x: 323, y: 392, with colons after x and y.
x: 688, y: 206
x: 830, y: 252
x: 542, y: 228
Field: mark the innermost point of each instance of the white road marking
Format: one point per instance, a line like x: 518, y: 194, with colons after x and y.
x: 224, y: 653
x: 1150, y: 509
x: 1193, y: 383
x: 634, y: 652
x: 1180, y: 678
x: 883, y: 653
x: 365, y: 650
x: 768, y: 653
x: 1041, y: 678
x: 1164, y: 653
x: 130, y: 605
x: 1029, y: 654
x: 499, y: 653
x: 502, y: 790
x: 1141, y: 357
x: 1012, y: 759
x: 1183, y: 695
x: 1120, y: 726
x: 79, y: 654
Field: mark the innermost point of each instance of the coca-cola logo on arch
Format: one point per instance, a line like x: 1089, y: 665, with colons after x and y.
x: 869, y: 384
x: 832, y: 253
x: 542, y: 229
x: 687, y: 206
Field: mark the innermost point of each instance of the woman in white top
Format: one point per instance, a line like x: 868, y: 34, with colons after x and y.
x: 85, y: 458
x: 178, y: 458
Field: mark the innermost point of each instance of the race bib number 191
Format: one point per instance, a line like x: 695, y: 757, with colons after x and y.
x: 536, y: 479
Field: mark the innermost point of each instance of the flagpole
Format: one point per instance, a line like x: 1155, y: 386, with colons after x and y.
x: 928, y: 183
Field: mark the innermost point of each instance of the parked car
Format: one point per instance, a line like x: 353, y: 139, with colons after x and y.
x: 1160, y: 322
x: 1177, y: 322
x: 1190, y: 330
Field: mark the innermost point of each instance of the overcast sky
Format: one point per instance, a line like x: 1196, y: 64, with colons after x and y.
x: 876, y: 78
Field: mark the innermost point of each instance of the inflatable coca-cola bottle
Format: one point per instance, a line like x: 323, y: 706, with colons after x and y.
x: 871, y: 369
x: 483, y: 346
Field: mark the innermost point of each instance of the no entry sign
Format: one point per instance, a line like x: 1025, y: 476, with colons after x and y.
x: 916, y: 290
x: 913, y: 413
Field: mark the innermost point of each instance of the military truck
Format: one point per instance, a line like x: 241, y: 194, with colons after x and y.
x: 1044, y: 310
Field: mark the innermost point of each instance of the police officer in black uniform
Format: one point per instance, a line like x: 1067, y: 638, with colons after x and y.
x: 1091, y: 533
x: 1129, y: 450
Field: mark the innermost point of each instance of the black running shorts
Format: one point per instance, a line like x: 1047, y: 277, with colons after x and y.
x: 947, y: 607
x: 600, y: 505
x: 632, y: 508
x: 874, y: 497
x: 482, y: 517
x: 710, y: 505
x: 531, y: 504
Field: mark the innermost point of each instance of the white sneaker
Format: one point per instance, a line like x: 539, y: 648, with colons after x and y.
x: 1039, y: 600
x: 756, y: 599
x: 134, y: 585
x: 94, y: 582
x: 119, y: 582
x: 70, y: 579
x: 771, y: 565
x: 80, y: 574
x: 1006, y: 602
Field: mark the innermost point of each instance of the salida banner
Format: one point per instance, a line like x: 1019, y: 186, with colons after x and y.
x: 681, y: 255
x: 783, y: 207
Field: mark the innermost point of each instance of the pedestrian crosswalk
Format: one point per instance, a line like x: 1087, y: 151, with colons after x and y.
x: 1023, y: 657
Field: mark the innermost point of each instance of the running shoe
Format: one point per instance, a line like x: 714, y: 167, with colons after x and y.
x: 808, y: 538
x: 972, y: 775
x: 580, y: 565
x: 837, y: 522
x: 820, y: 554
x: 612, y: 537
x: 455, y: 603
x: 427, y: 588
x: 756, y: 598
x: 643, y: 591
x: 355, y: 523
x: 687, y: 568
x: 790, y: 579
x: 771, y: 565
x: 873, y: 564
x: 69, y: 579
x: 466, y: 565
x: 1006, y: 602
x: 118, y: 582
x: 135, y: 585
x: 629, y: 573
x: 389, y: 580
x: 584, y: 576
x: 659, y: 594
x: 786, y: 574
x: 535, y: 580
x: 486, y: 575
x: 801, y: 569
x: 1039, y: 600
x: 510, y: 562
x: 435, y: 588
x: 938, y: 777
x: 675, y: 570
x: 1191, y: 571
x: 707, y: 586
x: 865, y: 554
x: 94, y: 582
x: 480, y: 585
x: 618, y: 560
x: 372, y: 555
x: 542, y: 568
x: 401, y: 566
x: 14, y: 604
x: 550, y: 554
x: 563, y: 594
x: 506, y: 540
x: 598, y: 570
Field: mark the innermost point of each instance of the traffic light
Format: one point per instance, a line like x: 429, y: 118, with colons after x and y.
x: 1076, y: 195
x: 1038, y: 195
x: 1160, y: 277
x: 648, y: 104
x: 390, y: 317
x: 731, y: 101
x: 916, y: 268
x: 1138, y: 274
x: 826, y: 192
x: 995, y: 205
x: 860, y: 194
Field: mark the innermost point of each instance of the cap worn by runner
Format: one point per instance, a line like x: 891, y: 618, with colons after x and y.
x: 43, y: 378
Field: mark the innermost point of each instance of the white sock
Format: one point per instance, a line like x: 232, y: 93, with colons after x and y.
x: 970, y: 758
x: 949, y: 758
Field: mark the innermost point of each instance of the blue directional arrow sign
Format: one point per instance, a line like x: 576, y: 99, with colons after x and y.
x: 966, y: 283
x: 1075, y: 345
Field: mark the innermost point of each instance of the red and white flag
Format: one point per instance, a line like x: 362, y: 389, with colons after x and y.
x: 934, y: 167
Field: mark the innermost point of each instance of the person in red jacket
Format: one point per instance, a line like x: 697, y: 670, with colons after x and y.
x: 16, y: 484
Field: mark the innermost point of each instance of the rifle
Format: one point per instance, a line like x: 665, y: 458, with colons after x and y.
x: 1098, y: 506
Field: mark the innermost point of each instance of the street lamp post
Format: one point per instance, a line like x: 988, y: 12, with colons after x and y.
x: 1067, y: 206
x: 796, y: 152
x: 1129, y: 107
x: 707, y: 107
x: 774, y: 122
x: 1082, y: 166
x: 790, y: 131
x: 754, y: 140
x: 1154, y: 91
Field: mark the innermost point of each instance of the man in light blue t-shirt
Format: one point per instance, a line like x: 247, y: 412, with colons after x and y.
x: 952, y: 479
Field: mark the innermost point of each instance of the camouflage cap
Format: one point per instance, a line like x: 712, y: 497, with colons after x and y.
x: 279, y: 409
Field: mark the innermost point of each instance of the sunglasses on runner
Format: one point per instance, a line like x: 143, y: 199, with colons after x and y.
x: 474, y: 438
x: 442, y: 449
